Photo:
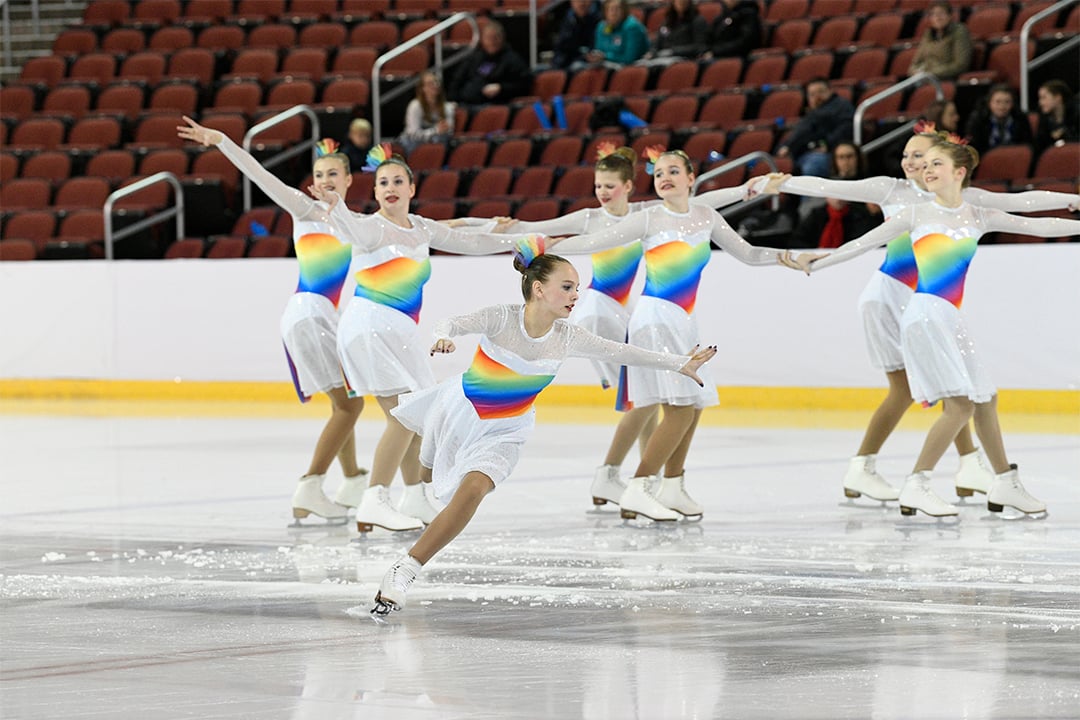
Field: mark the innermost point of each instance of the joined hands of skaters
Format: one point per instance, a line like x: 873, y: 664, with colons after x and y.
x: 770, y: 186
x: 802, y: 261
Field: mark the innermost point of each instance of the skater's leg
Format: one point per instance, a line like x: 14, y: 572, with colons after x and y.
x: 394, y: 443
x: 888, y: 414
x: 676, y: 464
x: 449, y: 523
x: 669, y: 434
x: 965, y: 444
x: 648, y: 428
x: 956, y: 413
x: 410, y: 463
x: 414, y: 501
x: 989, y: 431
x: 337, y: 434
x: 627, y: 433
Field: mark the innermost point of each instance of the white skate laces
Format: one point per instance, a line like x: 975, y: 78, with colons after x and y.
x: 974, y: 476
x: 917, y: 495
x: 309, y: 499
x: 862, y: 478
x: 1007, y: 490
x: 395, y: 586
x: 672, y: 494
x: 637, y: 499
x: 607, y: 486
x: 375, y: 510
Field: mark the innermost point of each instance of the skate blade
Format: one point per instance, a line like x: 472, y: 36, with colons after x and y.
x: 1011, y: 514
x: 873, y: 504
x: 296, y: 524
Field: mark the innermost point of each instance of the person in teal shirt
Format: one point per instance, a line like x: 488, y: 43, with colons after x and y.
x: 621, y: 38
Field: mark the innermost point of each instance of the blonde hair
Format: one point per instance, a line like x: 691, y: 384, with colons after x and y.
x: 620, y: 161
x: 962, y: 155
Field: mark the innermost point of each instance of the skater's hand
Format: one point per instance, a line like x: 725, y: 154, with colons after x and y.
x: 802, y: 262
x: 773, y: 181
x: 197, y: 133
x: 697, y: 359
x: 503, y: 223
x: 443, y: 345
x: 329, y: 197
x: 454, y: 222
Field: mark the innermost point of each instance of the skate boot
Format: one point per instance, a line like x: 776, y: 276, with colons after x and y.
x: 352, y: 490
x: 1007, y: 490
x: 375, y: 510
x: 672, y: 494
x: 638, y: 500
x: 917, y: 495
x: 395, y: 585
x: 974, y: 476
x: 414, y: 502
x: 309, y: 499
x: 607, y: 486
x: 862, y: 478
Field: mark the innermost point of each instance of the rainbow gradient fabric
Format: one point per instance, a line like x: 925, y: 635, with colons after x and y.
x: 496, y: 391
x: 397, y: 283
x: 673, y: 272
x: 614, y: 270
x: 899, y: 261
x: 324, y: 265
x: 943, y: 264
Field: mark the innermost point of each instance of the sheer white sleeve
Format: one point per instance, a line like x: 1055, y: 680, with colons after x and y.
x: 288, y: 199
x: 584, y: 344
x: 572, y: 224
x: 464, y: 242
x: 361, y: 230
x: 485, y: 321
x: 1029, y: 201
x: 1039, y: 227
x: 720, y: 198
x: 871, y: 190
x: 634, y: 226
x: 732, y: 242
x: 883, y: 234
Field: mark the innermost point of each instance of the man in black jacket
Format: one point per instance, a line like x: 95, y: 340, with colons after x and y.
x: 827, y: 121
x: 736, y: 30
x: 576, y: 33
x: 493, y: 73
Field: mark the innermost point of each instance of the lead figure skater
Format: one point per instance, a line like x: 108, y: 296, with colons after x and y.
x: 309, y: 323
x: 676, y: 237
x: 882, y: 304
x: 939, y: 354
x: 473, y: 426
x: 378, y: 343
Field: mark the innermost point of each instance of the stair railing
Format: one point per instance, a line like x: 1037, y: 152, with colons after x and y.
x: 176, y: 210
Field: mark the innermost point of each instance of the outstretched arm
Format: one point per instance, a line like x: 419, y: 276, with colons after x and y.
x: 871, y: 190
x: 289, y: 199
x: 1030, y: 201
x: 633, y: 227
x: 572, y: 224
x: 584, y: 344
x: 1039, y: 227
x: 881, y: 235
x: 466, y: 242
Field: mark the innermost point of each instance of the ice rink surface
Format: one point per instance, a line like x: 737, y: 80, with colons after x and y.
x: 148, y: 572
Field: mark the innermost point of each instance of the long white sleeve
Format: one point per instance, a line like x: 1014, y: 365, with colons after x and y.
x: 996, y: 220
x: 464, y: 242
x: 733, y: 243
x: 883, y: 234
x: 634, y: 226
x: 288, y: 199
x: 871, y: 190
x: 1029, y: 201
x: 584, y: 344
x: 485, y: 321
x: 573, y: 224
x: 720, y: 198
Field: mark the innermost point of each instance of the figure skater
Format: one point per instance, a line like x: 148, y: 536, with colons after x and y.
x: 309, y: 324
x: 675, y: 236
x: 378, y: 343
x: 473, y: 426
x: 883, y: 301
x: 939, y: 353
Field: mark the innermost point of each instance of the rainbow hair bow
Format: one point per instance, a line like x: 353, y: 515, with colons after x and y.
x: 653, y: 153
x: 528, y: 248
x: 325, y: 147
x: 377, y: 156
x: 604, y: 149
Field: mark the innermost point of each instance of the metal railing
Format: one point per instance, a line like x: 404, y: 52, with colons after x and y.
x: 747, y: 159
x: 435, y: 32
x: 176, y: 210
x: 1026, y: 66
x: 857, y: 122
x: 284, y: 155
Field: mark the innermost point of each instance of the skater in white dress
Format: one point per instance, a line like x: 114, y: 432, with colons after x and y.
x: 886, y: 295
x: 473, y: 426
x: 604, y: 306
x: 940, y: 356
x: 309, y: 323
x: 676, y: 237
x: 378, y: 342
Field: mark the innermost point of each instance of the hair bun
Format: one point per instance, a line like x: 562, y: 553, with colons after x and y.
x: 527, y: 249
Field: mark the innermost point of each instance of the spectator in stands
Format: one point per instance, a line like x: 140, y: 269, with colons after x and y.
x: 736, y: 30
x: 428, y: 117
x: 576, y: 34
x: 493, y: 73
x: 1059, y: 116
x: 833, y: 224
x: 945, y: 48
x: 620, y: 39
x: 684, y: 34
x: 998, y: 121
x: 358, y: 143
x: 826, y: 123
x: 846, y: 163
x: 944, y: 115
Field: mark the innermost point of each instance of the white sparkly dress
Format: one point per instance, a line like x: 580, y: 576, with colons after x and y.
x: 676, y: 246
x: 380, y: 348
x: 882, y: 302
x: 479, y: 420
x: 939, y: 352
x: 604, y: 307
x: 309, y: 323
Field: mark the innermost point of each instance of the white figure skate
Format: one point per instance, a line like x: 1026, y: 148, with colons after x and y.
x: 862, y: 478
x: 309, y: 499
x: 607, y: 486
x: 974, y: 475
x: 1007, y: 490
x: 375, y: 510
x: 917, y: 495
x: 672, y: 494
x: 415, y: 503
x: 395, y: 586
x: 637, y: 499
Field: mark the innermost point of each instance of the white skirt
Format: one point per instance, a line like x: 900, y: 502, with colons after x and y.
x: 881, y: 306
x: 940, y: 354
x: 381, y: 350
x: 455, y: 441
x: 309, y: 331
x: 601, y: 315
x: 665, y: 327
